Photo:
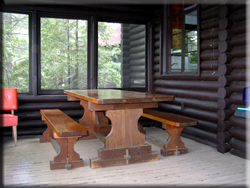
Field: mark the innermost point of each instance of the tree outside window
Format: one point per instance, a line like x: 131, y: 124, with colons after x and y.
x: 15, y: 52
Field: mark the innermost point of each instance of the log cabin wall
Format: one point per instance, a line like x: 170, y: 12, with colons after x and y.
x: 133, y: 55
x: 212, y: 98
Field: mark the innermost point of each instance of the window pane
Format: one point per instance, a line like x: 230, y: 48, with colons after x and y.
x: 191, y: 41
x: 121, y: 55
x: 191, y: 21
x: 175, y: 25
x: 191, y: 62
x: 176, y: 43
x: 63, y: 53
x: 175, y: 63
x: 16, y: 52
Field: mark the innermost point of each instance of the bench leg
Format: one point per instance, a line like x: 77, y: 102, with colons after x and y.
x: 174, y: 144
x: 67, y: 158
x: 47, y: 135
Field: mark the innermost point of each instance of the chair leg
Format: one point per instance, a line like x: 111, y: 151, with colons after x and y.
x: 14, y: 134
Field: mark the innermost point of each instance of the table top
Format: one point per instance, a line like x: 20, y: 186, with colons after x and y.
x: 113, y: 96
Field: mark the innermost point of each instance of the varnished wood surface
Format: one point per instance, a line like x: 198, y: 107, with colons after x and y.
x: 62, y: 124
x: 112, y: 96
x: 167, y: 118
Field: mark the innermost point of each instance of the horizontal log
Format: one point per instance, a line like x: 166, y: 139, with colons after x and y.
x: 223, y: 137
x: 41, y: 98
x: 207, y: 126
x: 238, y: 86
x: 233, y: 108
x: 225, y: 58
x: 46, y: 105
x: 225, y: 34
x: 238, y: 133
x: 210, y: 13
x: 236, y: 98
x: 223, y: 147
x: 224, y: 81
x: 205, y: 75
x: 198, y: 104
x: 238, y: 51
x: 190, y: 112
x: 31, y: 123
x: 223, y: 115
x: 210, y: 44
x: 156, y: 60
x: 210, y: 33
x: 239, y: 63
x: 190, y: 85
x: 137, y: 68
x: 210, y: 54
x: 223, y: 103
x: 224, y: 125
x: 225, y: 46
x: 238, y: 144
x: 157, y: 52
x: 157, y: 44
x: 225, y: 11
x: 238, y: 122
x: 210, y: 65
x: 224, y: 92
x: 211, y: 23
x: 200, y: 134
x: 239, y: 15
x: 239, y: 40
x: 239, y: 27
x: 225, y: 23
x: 238, y: 153
x: 238, y: 75
x: 224, y: 69
x: 207, y: 95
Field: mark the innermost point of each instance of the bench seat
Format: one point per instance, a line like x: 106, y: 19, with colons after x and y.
x: 66, y: 132
x: 174, y: 125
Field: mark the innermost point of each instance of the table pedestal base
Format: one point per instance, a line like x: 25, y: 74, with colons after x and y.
x: 176, y: 151
x: 123, y: 156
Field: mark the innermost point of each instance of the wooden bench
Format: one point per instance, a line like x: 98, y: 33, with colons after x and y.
x: 174, y: 125
x: 62, y: 130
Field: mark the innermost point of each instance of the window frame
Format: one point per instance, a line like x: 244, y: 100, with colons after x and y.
x: 39, y: 77
x: 165, y: 63
x: 92, y: 17
x: 148, y: 58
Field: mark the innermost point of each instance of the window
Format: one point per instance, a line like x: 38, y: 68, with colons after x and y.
x: 182, y: 40
x: 63, y: 53
x: 121, y: 55
x: 16, y: 52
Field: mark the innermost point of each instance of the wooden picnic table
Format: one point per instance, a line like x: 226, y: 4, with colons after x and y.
x: 124, y: 144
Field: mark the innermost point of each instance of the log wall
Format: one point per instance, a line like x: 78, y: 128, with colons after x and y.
x: 213, y: 97
x: 133, y: 55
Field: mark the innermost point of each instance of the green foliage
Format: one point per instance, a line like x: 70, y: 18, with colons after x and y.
x: 109, y: 70
x: 63, y: 54
x: 15, y: 52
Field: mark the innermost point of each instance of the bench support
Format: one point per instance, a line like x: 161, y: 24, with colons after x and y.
x: 67, y: 157
x: 174, y: 144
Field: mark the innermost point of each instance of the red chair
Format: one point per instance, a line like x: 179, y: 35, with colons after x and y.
x: 9, y: 103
